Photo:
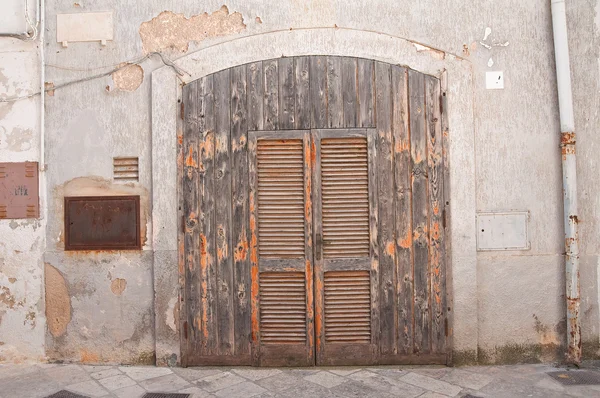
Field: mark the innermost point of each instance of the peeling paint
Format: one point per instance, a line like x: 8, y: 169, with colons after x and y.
x: 436, y: 53
x: 58, y: 301
x: 174, y: 31
x: 129, y: 77
x: 118, y: 286
x: 49, y: 86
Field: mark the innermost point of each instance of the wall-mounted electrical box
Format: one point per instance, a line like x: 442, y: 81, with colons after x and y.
x: 89, y: 26
x: 19, y: 192
x: 503, y: 230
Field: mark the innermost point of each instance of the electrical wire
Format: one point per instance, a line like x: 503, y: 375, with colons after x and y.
x: 163, y: 58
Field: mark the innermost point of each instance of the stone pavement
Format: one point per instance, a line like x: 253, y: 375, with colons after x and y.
x: 41, y: 380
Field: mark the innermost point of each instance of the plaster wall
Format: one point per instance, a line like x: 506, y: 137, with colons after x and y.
x: 22, y: 242
x: 507, y: 305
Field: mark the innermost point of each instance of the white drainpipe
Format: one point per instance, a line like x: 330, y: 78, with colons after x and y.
x: 567, y: 143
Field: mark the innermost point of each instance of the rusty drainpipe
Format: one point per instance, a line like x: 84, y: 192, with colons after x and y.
x: 569, y: 171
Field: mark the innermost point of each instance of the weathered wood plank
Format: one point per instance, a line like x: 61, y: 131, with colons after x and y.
x: 436, y: 206
x: 385, y: 201
x: 191, y: 335
x: 271, y: 97
x: 446, y: 278
x: 255, y: 96
x: 374, y: 246
x: 208, y: 278
x: 223, y: 221
x: 254, y: 289
x: 366, y: 77
x: 335, y: 100
x: 318, y: 92
x: 403, y: 206
x: 308, y: 237
x: 182, y: 322
x: 318, y: 270
x: 287, y: 94
x: 349, y: 74
x: 240, y: 213
x: 302, y: 85
x: 418, y: 146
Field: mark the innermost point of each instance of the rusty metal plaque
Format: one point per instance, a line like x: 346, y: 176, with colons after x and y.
x: 102, y: 223
x: 19, y: 192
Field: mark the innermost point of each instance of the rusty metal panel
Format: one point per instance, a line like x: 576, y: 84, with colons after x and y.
x: 102, y: 223
x: 19, y: 193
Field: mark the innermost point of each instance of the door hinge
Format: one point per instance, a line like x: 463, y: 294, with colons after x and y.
x: 182, y: 109
x: 185, y: 334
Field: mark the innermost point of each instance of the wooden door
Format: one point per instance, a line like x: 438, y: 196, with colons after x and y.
x: 281, y: 231
x: 288, y: 254
x: 346, y: 255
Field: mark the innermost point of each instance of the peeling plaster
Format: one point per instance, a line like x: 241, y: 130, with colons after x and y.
x: 18, y: 140
x: 174, y: 31
x: 129, y: 77
x: 118, y: 286
x: 58, y: 302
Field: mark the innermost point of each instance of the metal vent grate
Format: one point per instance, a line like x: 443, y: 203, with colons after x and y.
x: 576, y: 377
x: 280, y: 198
x: 282, y: 308
x: 345, y: 189
x: 126, y: 169
x: 348, y: 307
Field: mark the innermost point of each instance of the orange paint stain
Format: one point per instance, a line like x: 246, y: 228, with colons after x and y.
x: 405, y: 243
x: 254, y: 301
x: 390, y: 249
x: 189, y: 160
x: 313, y: 154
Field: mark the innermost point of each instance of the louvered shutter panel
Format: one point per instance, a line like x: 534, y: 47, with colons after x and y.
x: 279, y: 176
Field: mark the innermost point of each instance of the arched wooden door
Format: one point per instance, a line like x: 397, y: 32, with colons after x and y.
x: 313, y: 215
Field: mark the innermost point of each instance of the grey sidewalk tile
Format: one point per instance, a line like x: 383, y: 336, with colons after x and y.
x: 256, y: 374
x: 196, y: 392
x: 219, y: 381
x: 362, y: 375
x: 431, y: 394
x: 307, y: 390
x: 246, y: 389
x: 166, y: 383
x: 103, y: 374
x: 68, y: 374
x: 134, y: 391
x: 280, y: 382
x: 193, y: 374
x: 517, y: 388
x: 355, y: 389
x: 436, y: 373
x: 89, y: 388
x: 96, y: 368
x: 344, y: 371
x: 139, y: 373
x: 9, y: 371
x: 116, y: 382
x: 392, y: 386
x: 431, y: 384
x: 392, y: 373
x: 32, y: 385
x: 465, y: 379
x: 325, y: 379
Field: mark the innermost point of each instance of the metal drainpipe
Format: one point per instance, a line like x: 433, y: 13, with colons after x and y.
x: 567, y: 143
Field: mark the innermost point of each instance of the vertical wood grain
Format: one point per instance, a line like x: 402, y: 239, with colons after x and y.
x: 366, y: 101
x: 318, y: 92
x: 436, y: 206
x: 302, y: 86
x: 271, y: 95
x: 385, y: 202
x: 335, y: 100
x: 255, y: 96
x: 418, y: 146
x: 403, y: 206
x: 287, y: 94
x: 349, y: 75
x: 240, y: 214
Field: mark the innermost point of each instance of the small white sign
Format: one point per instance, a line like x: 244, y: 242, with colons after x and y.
x: 494, y: 80
x: 503, y: 231
x: 90, y: 26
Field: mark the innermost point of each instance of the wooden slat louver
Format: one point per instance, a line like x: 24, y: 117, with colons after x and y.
x: 280, y: 198
x: 282, y: 308
x: 347, y: 307
x: 345, y: 197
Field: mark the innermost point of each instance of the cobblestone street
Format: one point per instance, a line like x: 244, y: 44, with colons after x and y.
x: 42, y: 380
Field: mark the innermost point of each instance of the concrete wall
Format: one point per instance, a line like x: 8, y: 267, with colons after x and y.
x: 22, y: 242
x: 513, y: 300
